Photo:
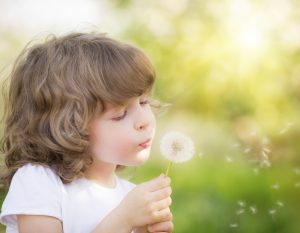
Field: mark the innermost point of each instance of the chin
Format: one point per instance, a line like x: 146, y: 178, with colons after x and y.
x: 140, y: 159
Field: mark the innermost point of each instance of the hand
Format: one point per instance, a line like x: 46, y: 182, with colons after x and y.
x: 148, y: 204
x: 161, y: 227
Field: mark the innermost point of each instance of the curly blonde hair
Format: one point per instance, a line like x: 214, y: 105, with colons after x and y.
x: 56, y: 89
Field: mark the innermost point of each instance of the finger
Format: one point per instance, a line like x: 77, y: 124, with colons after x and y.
x: 162, y: 215
x: 161, y: 194
x: 162, y: 204
x: 166, y: 226
x: 157, y: 183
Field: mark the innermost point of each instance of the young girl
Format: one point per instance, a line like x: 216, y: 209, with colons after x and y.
x: 77, y: 110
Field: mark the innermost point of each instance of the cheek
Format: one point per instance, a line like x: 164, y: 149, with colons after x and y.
x: 109, y: 144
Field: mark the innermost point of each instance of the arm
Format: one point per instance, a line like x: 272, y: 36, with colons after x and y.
x: 114, y: 222
x: 39, y: 224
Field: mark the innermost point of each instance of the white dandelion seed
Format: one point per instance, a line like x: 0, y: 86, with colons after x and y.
x: 242, y: 203
x: 280, y: 203
x: 265, y: 140
x: 256, y: 171
x: 275, y: 186
x: 177, y: 147
x: 228, y: 159
x: 200, y: 154
x: 286, y: 128
x: 265, y: 163
x: 272, y: 212
x: 265, y: 155
x: 253, y: 133
x: 253, y: 209
x: 236, y: 145
x: 233, y: 225
x: 297, y: 171
x: 240, y: 211
x: 266, y: 150
x: 247, y: 150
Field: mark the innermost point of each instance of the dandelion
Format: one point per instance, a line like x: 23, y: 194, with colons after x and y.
x: 177, y: 148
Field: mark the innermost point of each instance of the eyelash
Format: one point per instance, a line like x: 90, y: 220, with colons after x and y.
x: 125, y: 112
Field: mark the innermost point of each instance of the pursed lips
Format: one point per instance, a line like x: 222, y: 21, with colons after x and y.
x: 146, y: 143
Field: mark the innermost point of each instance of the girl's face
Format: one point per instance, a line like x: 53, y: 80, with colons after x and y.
x: 123, y: 135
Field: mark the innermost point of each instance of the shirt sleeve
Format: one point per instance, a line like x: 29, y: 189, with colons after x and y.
x: 34, y: 190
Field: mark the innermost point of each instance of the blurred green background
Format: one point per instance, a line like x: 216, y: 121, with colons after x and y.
x: 231, y: 70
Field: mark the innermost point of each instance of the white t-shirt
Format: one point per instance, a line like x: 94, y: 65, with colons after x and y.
x: 80, y: 205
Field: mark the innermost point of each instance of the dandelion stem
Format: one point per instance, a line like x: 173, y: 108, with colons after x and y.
x: 168, y: 168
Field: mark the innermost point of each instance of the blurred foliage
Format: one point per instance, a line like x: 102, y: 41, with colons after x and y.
x: 231, y: 70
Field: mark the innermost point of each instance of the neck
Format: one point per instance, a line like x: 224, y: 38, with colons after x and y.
x: 101, y: 173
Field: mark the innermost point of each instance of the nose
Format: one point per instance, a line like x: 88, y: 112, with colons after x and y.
x: 141, y: 124
x: 142, y: 120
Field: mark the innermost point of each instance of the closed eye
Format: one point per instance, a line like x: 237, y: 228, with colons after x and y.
x: 120, y: 117
x: 144, y: 102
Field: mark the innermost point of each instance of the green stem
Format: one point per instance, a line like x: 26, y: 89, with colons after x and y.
x: 168, y: 168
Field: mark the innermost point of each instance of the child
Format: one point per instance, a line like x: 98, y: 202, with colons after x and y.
x: 77, y: 110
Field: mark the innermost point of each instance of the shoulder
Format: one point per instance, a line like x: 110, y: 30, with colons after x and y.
x: 34, y: 190
x: 36, y: 173
x: 125, y: 184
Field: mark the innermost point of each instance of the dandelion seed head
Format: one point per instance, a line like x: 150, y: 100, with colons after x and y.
x: 177, y: 147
